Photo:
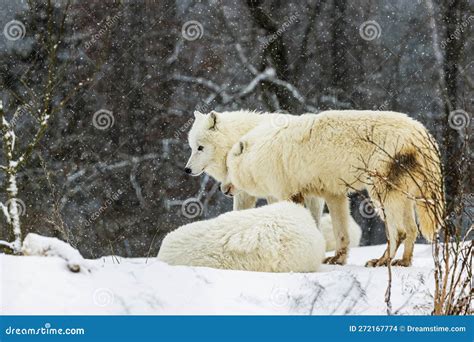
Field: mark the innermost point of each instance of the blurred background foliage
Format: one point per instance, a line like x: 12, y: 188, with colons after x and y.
x: 119, y: 190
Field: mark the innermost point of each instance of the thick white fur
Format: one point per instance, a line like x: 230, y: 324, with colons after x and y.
x: 280, y: 237
x: 328, y: 155
x: 355, y: 232
x: 217, y: 133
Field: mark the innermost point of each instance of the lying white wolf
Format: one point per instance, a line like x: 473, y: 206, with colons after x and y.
x: 213, y: 135
x: 334, y: 152
x: 280, y: 237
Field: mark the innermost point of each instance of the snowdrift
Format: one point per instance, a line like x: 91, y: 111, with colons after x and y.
x: 119, y: 286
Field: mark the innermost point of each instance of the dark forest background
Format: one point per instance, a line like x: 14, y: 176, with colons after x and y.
x: 121, y: 80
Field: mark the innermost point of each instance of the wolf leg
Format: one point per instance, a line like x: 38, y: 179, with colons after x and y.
x: 339, y: 210
x: 315, y: 205
x: 409, y: 224
x: 394, y: 229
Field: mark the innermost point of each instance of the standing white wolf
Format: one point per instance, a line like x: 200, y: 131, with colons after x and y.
x: 212, y: 136
x: 329, y: 154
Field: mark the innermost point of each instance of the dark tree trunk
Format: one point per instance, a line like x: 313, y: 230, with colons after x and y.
x: 275, y: 51
x: 451, y: 137
x: 339, y: 46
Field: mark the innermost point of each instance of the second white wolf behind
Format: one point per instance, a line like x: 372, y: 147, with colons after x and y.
x: 213, y: 135
x: 331, y: 154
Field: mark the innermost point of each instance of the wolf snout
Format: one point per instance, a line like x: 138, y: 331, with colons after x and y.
x: 227, y: 189
x: 188, y: 170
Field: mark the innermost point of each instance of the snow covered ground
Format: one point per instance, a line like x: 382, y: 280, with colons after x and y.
x: 117, y: 286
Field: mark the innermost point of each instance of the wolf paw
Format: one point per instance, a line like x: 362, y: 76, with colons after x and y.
x: 401, y: 262
x: 377, y: 262
x: 335, y: 260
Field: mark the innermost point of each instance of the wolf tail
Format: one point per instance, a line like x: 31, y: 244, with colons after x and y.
x: 430, y: 201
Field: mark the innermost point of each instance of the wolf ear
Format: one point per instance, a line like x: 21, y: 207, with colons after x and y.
x: 212, y: 120
x: 197, y: 114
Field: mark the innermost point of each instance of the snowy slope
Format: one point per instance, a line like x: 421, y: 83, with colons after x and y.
x: 45, y: 285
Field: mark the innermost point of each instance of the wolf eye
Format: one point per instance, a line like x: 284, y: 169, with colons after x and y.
x: 200, y: 148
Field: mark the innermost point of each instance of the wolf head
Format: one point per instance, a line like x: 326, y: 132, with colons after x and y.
x: 212, y: 136
x: 233, y: 160
x: 200, y: 139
